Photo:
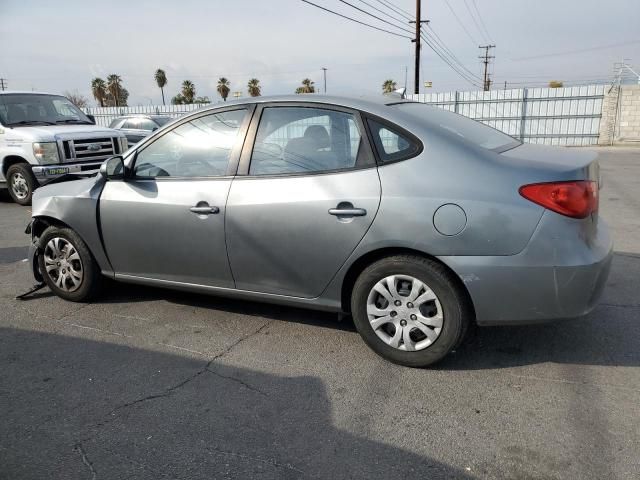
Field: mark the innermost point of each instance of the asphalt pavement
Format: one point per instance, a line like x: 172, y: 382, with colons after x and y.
x: 148, y: 383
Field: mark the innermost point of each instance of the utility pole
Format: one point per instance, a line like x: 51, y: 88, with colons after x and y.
x: 485, y: 59
x: 3, y: 84
x: 418, y: 22
x: 324, y: 73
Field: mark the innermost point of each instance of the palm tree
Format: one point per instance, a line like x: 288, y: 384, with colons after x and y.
x: 113, y: 86
x: 307, y: 87
x: 224, y: 88
x: 254, y: 87
x: 161, y: 80
x: 388, y: 86
x: 99, y: 90
x: 188, y: 91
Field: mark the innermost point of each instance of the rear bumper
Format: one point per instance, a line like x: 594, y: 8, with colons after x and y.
x: 558, y: 275
x: 46, y: 172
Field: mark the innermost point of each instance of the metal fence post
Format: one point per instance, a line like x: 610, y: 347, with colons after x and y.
x: 455, y: 103
x: 523, y: 114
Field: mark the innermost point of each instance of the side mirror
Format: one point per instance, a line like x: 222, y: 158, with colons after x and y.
x: 92, y: 118
x: 113, y: 168
x: 154, y: 129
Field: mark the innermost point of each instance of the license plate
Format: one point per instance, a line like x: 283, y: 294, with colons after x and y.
x: 57, y: 171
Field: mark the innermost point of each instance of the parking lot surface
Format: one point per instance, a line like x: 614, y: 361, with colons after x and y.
x: 147, y: 383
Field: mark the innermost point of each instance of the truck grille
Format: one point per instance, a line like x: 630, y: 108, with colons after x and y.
x: 90, y: 149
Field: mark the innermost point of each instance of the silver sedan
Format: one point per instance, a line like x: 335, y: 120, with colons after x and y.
x: 417, y: 221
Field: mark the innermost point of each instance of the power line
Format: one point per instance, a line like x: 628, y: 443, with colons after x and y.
x: 438, y: 41
x: 404, y: 29
x: 354, y: 20
x: 571, y: 52
x: 460, y: 22
x: 474, y: 20
x: 454, y: 67
x: 401, y: 20
x: 484, y: 27
x: 397, y: 10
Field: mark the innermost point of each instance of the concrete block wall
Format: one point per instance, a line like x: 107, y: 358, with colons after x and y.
x: 623, y: 113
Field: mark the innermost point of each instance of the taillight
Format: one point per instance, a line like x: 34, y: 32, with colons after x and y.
x: 577, y: 199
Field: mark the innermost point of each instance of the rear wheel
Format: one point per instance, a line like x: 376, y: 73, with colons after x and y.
x: 410, y: 310
x: 21, y: 183
x: 67, y: 266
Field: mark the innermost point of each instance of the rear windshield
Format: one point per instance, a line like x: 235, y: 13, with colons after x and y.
x: 471, y: 130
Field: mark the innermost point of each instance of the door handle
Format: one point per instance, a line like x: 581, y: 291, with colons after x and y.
x: 204, y: 210
x: 348, y: 212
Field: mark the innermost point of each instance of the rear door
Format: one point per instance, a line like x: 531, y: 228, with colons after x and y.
x: 306, y: 193
x: 167, y: 221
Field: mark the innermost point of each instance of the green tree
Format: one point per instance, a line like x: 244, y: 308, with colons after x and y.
x: 178, y: 100
x: 188, y: 91
x: 161, y: 80
x: 388, y: 86
x: 254, y: 88
x: 114, y: 87
x: 224, y: 87
x: 99, y: 90
x: 307, y: 87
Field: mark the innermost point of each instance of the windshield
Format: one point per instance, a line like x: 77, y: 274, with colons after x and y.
x: 35, y: 109
x: 471, y: 130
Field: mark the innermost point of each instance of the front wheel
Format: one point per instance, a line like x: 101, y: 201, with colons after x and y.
x: 21, y: 183
x: 410, y: 310
x: 67, y: 266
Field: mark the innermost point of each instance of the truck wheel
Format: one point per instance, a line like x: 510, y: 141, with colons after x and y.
x: 21, y: 183
x: 67, y: 266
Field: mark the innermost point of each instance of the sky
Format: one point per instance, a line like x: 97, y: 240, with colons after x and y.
x: 61, y: 46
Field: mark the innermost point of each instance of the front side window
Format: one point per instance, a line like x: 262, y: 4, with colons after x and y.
x: 390, y: 143
x: 305, y: 140
x: 199, y: 148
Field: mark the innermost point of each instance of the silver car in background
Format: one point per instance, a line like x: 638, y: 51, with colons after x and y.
x: 417, y: 221
x: 139, y: 126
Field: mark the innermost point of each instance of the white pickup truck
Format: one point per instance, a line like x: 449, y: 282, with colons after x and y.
x: 43, y: 136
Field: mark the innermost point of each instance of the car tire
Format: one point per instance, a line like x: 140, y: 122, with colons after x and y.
x: 21, y: 183
x: 403, y: 338
x: 67, y: 266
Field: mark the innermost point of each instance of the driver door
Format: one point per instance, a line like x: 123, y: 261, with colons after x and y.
x: 167, y: 220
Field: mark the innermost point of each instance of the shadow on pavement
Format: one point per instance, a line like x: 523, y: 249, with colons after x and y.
x: 607, y: 336
x: 75, y: 408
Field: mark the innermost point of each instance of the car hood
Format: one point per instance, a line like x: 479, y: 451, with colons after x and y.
x: 51, y: 133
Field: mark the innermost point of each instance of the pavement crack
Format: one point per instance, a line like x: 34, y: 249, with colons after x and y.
x: 237, y: 380
x: 85, y: 459
x: 205, y: 368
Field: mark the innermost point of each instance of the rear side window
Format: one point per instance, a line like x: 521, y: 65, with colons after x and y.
x: 391, y: 144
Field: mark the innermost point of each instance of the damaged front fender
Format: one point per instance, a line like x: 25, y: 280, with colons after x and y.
x: 74, y: 205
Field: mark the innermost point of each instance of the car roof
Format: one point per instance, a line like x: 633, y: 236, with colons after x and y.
x: 28, y: 92
x: 373, y: 104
